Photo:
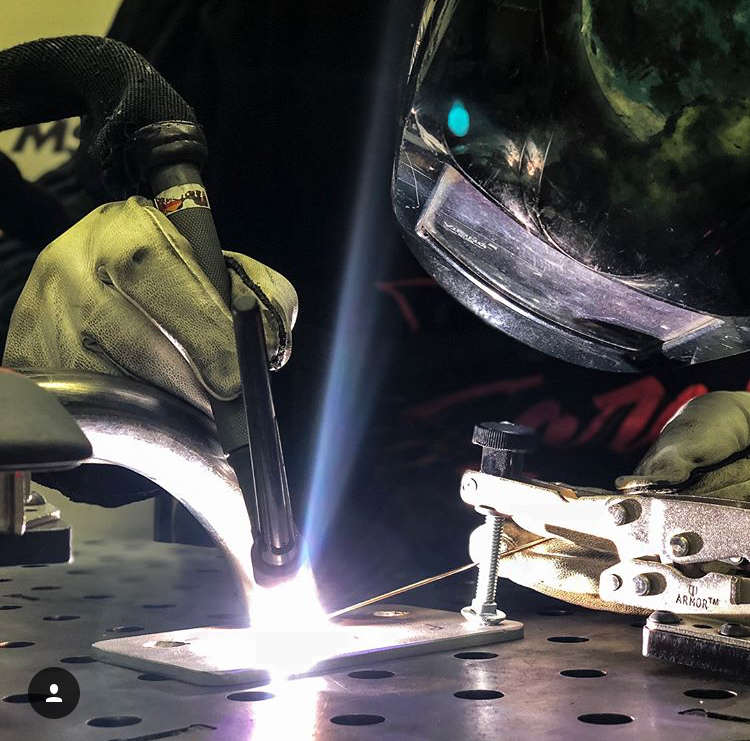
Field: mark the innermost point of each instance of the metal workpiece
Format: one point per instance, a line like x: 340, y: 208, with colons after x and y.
x: 575, y: 673
x: 656, y: 586
x: 230, y: 656
x: 677, y: 529
x: 165, y: 439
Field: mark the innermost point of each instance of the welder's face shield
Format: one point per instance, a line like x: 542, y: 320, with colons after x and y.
x: 577, y: 173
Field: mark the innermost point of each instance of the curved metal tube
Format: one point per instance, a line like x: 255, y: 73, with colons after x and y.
x: 163, y: 438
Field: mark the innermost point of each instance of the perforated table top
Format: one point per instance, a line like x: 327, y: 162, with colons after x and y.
x: 576, y: 674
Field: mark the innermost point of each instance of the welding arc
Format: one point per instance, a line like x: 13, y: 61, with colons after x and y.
x: 431, y: 580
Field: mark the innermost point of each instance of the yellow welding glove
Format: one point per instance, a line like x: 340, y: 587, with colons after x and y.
x: 565, y: 569
x: 702, y: 450
x: 121, y: 293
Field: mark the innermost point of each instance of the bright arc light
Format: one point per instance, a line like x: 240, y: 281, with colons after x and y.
x: 281, y: 608
x: 290, y: 628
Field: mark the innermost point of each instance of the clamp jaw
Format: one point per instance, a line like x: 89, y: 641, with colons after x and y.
x: 682, y: 557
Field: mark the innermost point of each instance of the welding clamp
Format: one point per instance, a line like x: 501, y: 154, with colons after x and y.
x: 683, y: 558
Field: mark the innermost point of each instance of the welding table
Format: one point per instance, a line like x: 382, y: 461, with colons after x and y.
x: 576, y: 674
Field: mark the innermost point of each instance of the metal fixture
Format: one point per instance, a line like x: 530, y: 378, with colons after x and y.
x: 503, y: 447
x: 641, y: 585
x: 165, y: 439
x: 220, y: 656
x: 680, y: 545
x: 619, y: 513
x: 734, y: 630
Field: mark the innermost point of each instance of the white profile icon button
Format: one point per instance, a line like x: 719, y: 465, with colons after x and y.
x: 53, y: 691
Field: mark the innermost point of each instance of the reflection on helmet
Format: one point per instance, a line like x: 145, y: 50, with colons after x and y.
x: 615, y: 132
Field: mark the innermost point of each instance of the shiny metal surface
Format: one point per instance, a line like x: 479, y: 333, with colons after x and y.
x: 159, y: 587
x: 15, y: 487
x: 164, y: 439
x: 224, y: 656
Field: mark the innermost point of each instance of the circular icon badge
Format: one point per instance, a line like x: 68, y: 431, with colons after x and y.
x: 54, y: 693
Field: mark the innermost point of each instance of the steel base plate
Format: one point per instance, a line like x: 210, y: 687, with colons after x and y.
x: 224, y: 656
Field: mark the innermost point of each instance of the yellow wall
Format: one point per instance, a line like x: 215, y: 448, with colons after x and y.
x: 25, y: 20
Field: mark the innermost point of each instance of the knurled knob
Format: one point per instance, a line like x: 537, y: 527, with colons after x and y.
x: 504, y: 436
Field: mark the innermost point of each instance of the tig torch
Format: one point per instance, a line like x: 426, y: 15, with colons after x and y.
x: 138, y: 130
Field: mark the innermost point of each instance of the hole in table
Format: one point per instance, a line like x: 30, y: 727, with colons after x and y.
x: 3, y: 581
x: 478, y: 695
x: 15, y: 644
x: 10, y: 607
x: 553, y: 613
x: 371, y: 674
x: 61, y: 618
x: 78, y: 660
x: 34, y: 566
x: 44, y: 589
x: 605, y: 719
x: 78, y: 572
x: 17, y: 699
x: 583, y: 673
x: 125, y: 629
x: 92, y: 542
x: 250, y: 696
x: 157, y: 607
x: 567, y: 639
x: 358, y: 719
x: 114, y: 721
x: 169, y: 644
x: 478, y: 655
x: 707, y: 693
x: 702, y: 626
x: 149, y: 677
x: 98, y: 596
x: 388, y: 614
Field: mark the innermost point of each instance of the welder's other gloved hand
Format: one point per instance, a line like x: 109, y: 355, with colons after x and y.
x: 700, y: 451
x: 707, y: 433
x: 121, y: 293
x: 558, y: 568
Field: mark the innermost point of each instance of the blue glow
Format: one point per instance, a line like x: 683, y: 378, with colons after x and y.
x: 357, y: 358
x: 459, y: 120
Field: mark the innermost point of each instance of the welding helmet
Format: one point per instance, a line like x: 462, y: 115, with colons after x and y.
x: 577, y: 173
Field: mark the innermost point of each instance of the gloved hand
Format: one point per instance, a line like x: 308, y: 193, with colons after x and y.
x: 702, y: 450
x: 121, y: 293
x: 559, y: 568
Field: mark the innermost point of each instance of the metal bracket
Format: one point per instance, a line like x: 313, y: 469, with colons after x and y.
x: 222, y: 656
x: 707, y: 645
